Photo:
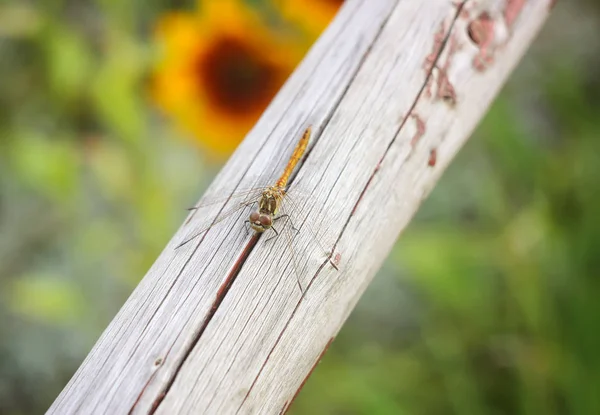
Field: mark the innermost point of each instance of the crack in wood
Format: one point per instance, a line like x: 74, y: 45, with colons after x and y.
x: 217, y: 301
x: 240, y: 334
x: 445, y: 89
x: 432, y: 63
x: 287, y: 323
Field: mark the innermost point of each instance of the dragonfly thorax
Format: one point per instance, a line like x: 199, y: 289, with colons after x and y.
x: 268, y: 206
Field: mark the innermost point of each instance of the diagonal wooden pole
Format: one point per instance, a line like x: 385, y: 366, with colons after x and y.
x: 392, y: 89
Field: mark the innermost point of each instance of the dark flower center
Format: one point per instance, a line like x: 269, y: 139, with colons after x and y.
x: 236, y: 78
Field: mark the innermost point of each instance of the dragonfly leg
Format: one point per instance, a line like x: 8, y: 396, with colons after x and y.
x: 333, y: 264
x: 289, y: 219
x: 300, y: 286
x: 274, y: 236
x: 331, y: 261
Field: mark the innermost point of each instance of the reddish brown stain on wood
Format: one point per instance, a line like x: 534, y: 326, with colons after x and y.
x: 157, y: 402
x: 481, y: 32
x: 337, y: 259
x: 512, y: 11
x: 224, y: 288
x: 420, y: 130
x: 432, y: 157
x: 445, y: 89
x: 438, y: 41
x: 463, y: 12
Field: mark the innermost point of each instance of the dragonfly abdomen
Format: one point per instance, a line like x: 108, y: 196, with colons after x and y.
x: 296, y: 156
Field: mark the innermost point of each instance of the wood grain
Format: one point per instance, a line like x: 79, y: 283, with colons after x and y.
x: 219, y: 326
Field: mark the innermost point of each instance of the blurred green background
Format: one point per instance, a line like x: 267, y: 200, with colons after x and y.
x: 487, y: 305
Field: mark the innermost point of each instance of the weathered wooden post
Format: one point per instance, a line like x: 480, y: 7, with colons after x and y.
x: 392, y: 89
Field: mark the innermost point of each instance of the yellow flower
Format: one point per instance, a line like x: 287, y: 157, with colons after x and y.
x: 312, y: 15
x: 220, y: 69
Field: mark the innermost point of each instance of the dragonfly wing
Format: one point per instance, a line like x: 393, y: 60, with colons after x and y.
x: 220, y: 217
x: 245, y: 194
x: 292, y: 207
x: 286, y: 226
x: 289, y: 235
x: 224, y: 194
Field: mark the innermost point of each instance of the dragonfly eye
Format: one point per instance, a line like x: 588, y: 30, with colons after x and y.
x: 254, y: 216
x: 265, y: 220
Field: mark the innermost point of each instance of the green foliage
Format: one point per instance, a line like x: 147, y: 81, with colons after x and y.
x: 49, y: 299
x: 117, y: 88
x: 48, y: 166
x: 87, y: 193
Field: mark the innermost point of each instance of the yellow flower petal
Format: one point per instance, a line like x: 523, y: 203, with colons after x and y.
x: 220, y: 70
x: 312, y: 15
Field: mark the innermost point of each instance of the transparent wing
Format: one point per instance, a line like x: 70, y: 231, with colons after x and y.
x: 225, y: 196
x: 292, y: 208
x: 288, y: 214
x: 253, y: 198
x: 289, y: 231
x: 238, y: 194
x: 231, y: 193
x: 290, y: 245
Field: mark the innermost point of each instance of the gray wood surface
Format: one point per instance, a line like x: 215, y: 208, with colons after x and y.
x: 392, y: 89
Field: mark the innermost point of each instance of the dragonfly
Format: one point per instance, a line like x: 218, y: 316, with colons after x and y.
x: 272, y: 205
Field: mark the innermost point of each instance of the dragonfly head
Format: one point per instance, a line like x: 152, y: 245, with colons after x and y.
x: 260, y: 222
